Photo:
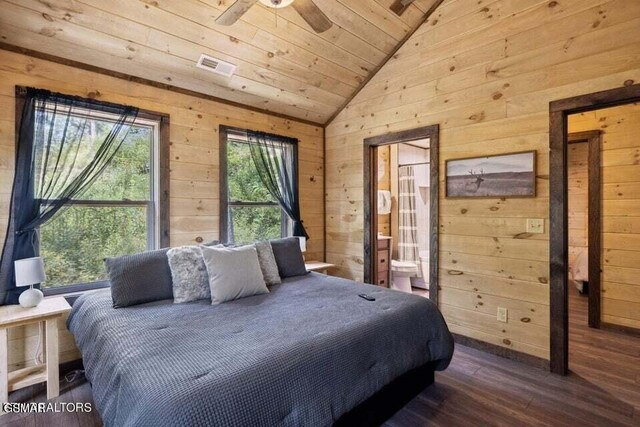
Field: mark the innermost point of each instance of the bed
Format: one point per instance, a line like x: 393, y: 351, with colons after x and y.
x: 579, y: 271
x: 311, y: 352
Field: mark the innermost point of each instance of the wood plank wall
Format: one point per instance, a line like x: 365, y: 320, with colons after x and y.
x: 578, y: 175
x: 194, y: 158
x: 384, y: 183
x: 620, y: 174
x: 485, y: 72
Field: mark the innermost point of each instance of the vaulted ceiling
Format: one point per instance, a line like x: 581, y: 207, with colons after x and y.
x: 282, y: 64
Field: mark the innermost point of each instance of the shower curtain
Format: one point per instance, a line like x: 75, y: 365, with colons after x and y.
x: 407, y: 221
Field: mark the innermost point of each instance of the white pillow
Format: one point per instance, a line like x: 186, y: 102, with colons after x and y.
x: 234, y: 273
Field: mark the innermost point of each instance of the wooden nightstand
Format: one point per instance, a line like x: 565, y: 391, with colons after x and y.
x: 319, y: 266
x: 48, y: 312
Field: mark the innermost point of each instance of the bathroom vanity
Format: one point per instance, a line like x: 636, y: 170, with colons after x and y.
x: 383, y: 262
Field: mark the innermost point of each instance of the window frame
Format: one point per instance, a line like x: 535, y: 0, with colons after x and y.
x: 285, y: 222
x: 157, y: 207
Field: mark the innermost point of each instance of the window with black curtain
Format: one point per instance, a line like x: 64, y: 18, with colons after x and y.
x: 91, y: 182
x: 117, y: 215
x: 249, y: 210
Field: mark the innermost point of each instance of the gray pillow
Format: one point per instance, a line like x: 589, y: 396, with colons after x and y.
x: 268, y: 263
x: 234, y: 273
x: 189, y: 274
x: 288, y: 257
x: 140, y: 278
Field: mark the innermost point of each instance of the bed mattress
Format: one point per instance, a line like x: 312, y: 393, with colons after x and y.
x: 304, y: 354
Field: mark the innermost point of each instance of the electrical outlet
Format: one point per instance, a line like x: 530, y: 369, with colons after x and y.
x: 502, y: 314
x: 535, y: 225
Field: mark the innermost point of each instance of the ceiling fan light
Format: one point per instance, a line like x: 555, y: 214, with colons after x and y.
x: 277, y: 4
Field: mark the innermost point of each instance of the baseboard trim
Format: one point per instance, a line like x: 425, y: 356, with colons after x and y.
x: 507, y: 353
x: 626, y: 330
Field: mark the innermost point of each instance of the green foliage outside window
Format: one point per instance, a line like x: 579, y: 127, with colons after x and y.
x: 256, y: 223
x: 75, y: 242
x: 249, y: 223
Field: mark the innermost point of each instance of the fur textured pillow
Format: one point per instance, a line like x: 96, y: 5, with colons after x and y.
x: 268, y: 263
x: 189, y: 273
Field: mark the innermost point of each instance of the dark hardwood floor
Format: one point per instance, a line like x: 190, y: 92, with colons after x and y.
x: 479, y: 389
x: 603, y: 388
x: 76, y: 391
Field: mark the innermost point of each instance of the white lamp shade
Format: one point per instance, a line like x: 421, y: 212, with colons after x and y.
x: 303, y: 243
x: 29, y: 271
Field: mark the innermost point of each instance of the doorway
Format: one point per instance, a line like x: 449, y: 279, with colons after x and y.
x: 584, y: 217
x: 379, y: 248
x: 558, y: 218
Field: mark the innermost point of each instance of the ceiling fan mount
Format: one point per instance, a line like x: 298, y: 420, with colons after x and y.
x: 276, y: 4
x: 306, y: 8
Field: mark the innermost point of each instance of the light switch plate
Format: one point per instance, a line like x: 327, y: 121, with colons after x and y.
x: 502, y: 314
x: 535, y: 225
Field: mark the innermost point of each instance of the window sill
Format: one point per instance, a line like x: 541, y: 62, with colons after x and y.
x: 72, y: 290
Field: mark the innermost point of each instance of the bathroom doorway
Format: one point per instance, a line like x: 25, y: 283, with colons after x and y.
x: 401, y: 211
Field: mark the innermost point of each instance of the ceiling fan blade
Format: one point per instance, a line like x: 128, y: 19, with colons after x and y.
x: 313, y: 15
x: 399, y: 6
x: 235, y: 11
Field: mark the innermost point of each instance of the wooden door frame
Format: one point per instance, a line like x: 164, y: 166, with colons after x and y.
x: 593, y: 139
x: 370, y: 203
x: 558, y: 209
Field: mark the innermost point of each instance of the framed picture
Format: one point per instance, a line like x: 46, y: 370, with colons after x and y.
x: 502, y: 175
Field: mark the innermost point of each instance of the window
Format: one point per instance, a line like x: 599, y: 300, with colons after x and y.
x: 119, y: 214
x: 248, y: 211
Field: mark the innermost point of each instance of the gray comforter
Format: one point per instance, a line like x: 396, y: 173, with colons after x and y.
x: 302, y: 355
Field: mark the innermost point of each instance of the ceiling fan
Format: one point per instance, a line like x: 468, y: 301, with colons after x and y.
x: 306, y: 8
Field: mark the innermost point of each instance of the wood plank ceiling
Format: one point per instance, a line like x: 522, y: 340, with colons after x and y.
x: 283, y: 66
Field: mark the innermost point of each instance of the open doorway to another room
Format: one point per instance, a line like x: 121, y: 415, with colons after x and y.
x: 403, y: 214
x: 401, y: 211
x: 604, y: 218
x: 584, y: 187
x: 595, y: 242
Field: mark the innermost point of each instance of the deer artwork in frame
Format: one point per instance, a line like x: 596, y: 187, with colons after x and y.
x: 503, y: 175
x: 478, y: 178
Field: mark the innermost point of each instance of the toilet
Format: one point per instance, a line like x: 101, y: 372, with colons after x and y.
x: 424, y: 270
x: 401, y: 274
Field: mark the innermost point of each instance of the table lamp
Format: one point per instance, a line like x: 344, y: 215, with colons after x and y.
x: 303, y: 243
x: 30, y: 271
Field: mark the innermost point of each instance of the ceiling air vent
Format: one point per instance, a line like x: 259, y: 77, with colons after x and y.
x: 216, y: 65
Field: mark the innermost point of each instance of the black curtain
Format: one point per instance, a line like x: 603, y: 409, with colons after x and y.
x: 64, y: 144
x: 276, y: 159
